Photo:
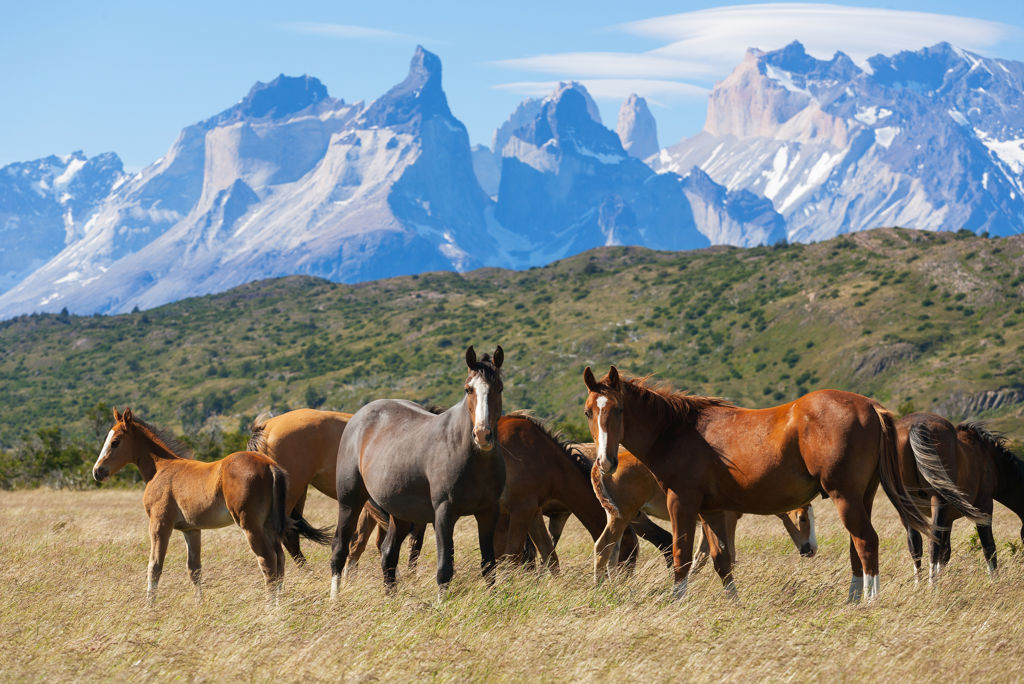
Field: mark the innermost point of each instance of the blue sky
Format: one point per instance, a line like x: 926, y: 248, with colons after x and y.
x: 127, y: 76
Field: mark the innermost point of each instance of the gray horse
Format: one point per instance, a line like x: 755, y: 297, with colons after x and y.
x: 420, y: 468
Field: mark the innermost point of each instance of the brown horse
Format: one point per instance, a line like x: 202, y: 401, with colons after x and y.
x: 542, y: 474
x: 421, y: 467
x: 709, y: 455
x: 932, y: 452
x: 304, y: 443
x: 633, y: 491
x: 243, y: 488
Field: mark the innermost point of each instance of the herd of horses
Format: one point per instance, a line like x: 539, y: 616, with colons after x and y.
x: 395, y: 466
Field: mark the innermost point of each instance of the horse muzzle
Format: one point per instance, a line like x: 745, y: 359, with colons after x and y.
x: 808, y: 550
x: 606, y: 465
x: 483, y: 438
x: 99, y: 473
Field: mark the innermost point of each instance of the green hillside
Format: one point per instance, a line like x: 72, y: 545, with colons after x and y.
x: 915, y: 319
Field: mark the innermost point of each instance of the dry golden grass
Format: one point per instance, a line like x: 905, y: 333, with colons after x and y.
x: 72, y: 567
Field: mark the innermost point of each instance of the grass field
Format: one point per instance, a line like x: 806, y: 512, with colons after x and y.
x: 73, y: 566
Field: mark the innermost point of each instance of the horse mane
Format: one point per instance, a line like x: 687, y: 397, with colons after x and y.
x: 257, y: 433
x: 997, y: 441
x: 669, y: 404
x: 166, y: 441
x: 569, y: 448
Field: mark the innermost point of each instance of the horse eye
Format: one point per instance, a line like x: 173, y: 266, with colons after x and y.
x: 588, y: 413
x: 113, y: 445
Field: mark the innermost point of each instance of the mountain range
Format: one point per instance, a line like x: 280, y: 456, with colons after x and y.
x: 293, y: 181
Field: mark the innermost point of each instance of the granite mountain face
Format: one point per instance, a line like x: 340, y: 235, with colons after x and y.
x: 932, y: 139
x: 292, y: 181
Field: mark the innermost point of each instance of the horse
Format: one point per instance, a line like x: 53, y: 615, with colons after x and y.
x: 244, y: 488
x: 632, y: 491
x: 710, y: 455
x: 303, y: 443
x: 543, y: 475
x: 423, y: 467
x: 932, y: 452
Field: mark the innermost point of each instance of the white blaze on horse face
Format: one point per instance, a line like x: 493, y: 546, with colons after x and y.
x: 481, y: 418
x: 106, y: 447
x: 602, y: 433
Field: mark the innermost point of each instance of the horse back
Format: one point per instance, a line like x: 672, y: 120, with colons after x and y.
x: 304, y: 442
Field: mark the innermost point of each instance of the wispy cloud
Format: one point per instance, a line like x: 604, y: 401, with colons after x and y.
x: 610, y: 64
x: 722, y: 34
x: 346, y: 31
x: 656, y: 91
x: 703, y: 46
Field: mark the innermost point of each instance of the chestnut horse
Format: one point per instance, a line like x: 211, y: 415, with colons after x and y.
x: 243, y: 488
x: 932, y: 452
x: 709, y: 455
x: 304, y: 443
x: 632, y: 491
x: 421, y: 467
x: 542, y: 473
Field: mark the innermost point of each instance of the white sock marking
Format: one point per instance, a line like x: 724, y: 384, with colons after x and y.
x: 856, y: 589
x: 871, y: 586
x: 814, y: 533
x: 335, y: 586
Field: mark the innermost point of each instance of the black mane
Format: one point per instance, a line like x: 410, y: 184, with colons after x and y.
x: 568, y: 447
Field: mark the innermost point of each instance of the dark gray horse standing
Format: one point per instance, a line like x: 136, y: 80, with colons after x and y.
x: 421, y: 467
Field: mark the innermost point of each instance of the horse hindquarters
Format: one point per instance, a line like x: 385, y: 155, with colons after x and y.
x: 255, y: 491
x: 352, y: 497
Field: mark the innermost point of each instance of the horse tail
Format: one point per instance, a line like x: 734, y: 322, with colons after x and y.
x: 601, y: 491
x: 281, y: 523
x: 279, y: 500
x: 930, y: 465
x: 892, y: 481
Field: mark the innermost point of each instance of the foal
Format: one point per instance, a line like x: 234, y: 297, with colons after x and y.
x: 243, y: 488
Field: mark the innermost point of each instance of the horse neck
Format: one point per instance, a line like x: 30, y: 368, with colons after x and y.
x: 642, y: 427
x: 457, y: 424
x: 577, y: 492
x: 154, y: 454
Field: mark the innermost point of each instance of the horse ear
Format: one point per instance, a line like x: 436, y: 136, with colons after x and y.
x: 471, y: 357
x: 589, y: 380
x: 499, y: 356
x: 613, y: 378
x: 117, y: 416
x: 127, y: 416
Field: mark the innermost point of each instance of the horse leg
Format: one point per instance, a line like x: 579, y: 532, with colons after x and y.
x: 266, y: 548
x: 519, y: 520
x: 720, y: 535
x: 682, y: 512
x: 855, y: 515
x: 988, y: 547
x: 193, y: 545
x: 349, y: 507
x: 703, y: 548
x: 444, y: 531
x: 556, y: 523
x: 916, y: 550
x: 291, y: 535
x: 486, y: 521
x: 416, y: 544
x: 941, y: 530
x: 159, y: 535
x: 365, y: 527
x: 629, y: 549
x: 545, y: 545
x: 398, y: 530
x: 655, y: 534
x: 606, y: 548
